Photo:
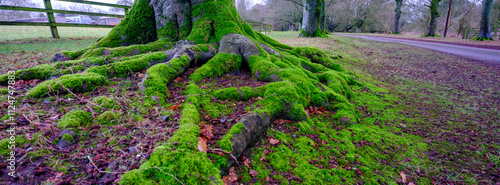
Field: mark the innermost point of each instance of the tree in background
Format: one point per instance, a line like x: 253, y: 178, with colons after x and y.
x: 485, y: 28
x: 121, y: 2
x: 288, y: 16
x: 434, y: 8
x: 397, y: 17
x: 313, y: 19
x: 7, y: 15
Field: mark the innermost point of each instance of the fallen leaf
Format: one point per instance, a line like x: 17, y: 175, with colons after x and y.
x: 246, y: 162
x: 411, y: 183
x: 174, y: 107
x: 263, y: 157
x: 42, y: 126
x: 207, y: 131
x: 231, y: 178
x: 202, y: 144
x: 403, y: 176
x: 253, y: 173
x: 274, y: 141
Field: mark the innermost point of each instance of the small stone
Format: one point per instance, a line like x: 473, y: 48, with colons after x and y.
x: 164, y: 118
x: 46, y: 101
x: 132, y: 149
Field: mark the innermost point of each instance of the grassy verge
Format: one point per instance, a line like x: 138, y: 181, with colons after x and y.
x: 453, y: 100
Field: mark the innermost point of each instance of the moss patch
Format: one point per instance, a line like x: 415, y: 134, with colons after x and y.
x: 75, y: 83
x: 75, y: 118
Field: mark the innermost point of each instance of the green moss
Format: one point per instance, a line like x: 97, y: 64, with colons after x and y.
x: 183, y: 160
x: 225, y: 143
x: 161, y: 74
x: 69, y: 138
x: 124, y: 68
x: 242, y: 93
x: 217, y: 66
x: 317, y: 56
x: 108, y: 118
x: 482, y: 39
x: 75, y: 118
x: 6, y: 144
x: 4, y: 91
x: 102, y: 103
x: 75, y: 83
x: 43, y: 72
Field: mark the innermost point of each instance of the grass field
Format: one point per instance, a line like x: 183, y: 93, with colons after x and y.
x: 30, y: 32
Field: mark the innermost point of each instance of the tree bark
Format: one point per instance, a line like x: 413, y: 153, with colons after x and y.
x: 434, y: 15
x: 485, y: 29
x: 399, y: 3
x: 313, y: 18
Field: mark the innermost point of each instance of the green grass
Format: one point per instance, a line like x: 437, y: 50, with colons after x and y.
x: 30, y: 52
x: 27, y: 32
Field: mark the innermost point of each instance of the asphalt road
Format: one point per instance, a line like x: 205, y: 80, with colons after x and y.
x: 471, y: 52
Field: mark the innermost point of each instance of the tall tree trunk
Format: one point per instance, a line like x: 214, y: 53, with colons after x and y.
x: 399, y: 3
x: 434, y: 15
x: 485, y: 29
x: 312, y: 18
x: 164, y: 38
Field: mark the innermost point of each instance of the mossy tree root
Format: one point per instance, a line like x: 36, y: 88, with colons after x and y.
x: 180, y: 157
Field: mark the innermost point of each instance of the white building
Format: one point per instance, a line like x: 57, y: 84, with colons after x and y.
x: 80, y: 19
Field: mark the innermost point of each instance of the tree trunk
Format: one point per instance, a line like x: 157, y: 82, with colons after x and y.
x: 434, y: 15
x: 166, y: 37
x: 399, y: 3
x: 313, y: 18
x: 485, y: 30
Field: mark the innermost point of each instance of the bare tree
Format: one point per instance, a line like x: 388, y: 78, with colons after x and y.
x: 122, y: 2
x: 7, y: 15
x: 485, y: 29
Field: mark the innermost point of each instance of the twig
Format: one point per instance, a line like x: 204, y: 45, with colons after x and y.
x: 226, y: 152
x: 99, y: 169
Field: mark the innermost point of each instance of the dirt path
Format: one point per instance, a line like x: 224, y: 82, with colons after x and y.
x: 471, y: 52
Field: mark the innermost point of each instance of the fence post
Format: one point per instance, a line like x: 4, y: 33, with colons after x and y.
x: 52, y: 19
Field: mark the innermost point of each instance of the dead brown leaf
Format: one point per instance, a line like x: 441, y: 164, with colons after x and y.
x: 202, y: 144
x: 253, y: 173
x: 274, y: 141
x: 231, y: 178
x: 403, y: 176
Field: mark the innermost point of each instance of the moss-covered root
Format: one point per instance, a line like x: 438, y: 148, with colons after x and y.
x: 179, y: 160
x: 338, y: 82
x: 243, y: 134
x: 74, y: 119
x: 317, y: 56
x: 482, y: 39
x: 242, y: 93
x: 217, y: 66
x: 129, y: 65
x: 74, y: 83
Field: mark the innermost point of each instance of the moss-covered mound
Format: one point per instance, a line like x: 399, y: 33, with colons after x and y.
x: 108, y: 118
x: 74, y: 119
x: 73, y: 83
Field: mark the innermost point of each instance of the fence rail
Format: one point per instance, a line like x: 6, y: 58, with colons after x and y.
x: 474, y: 32
x: 258, y: 26
x: 51, y: 18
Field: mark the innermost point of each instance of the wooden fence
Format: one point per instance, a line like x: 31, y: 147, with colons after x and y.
x: 261, y: 27
x: 474, y: 32
x: 51, y: 18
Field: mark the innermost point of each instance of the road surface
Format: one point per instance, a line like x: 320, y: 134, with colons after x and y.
x: 471, y: 52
